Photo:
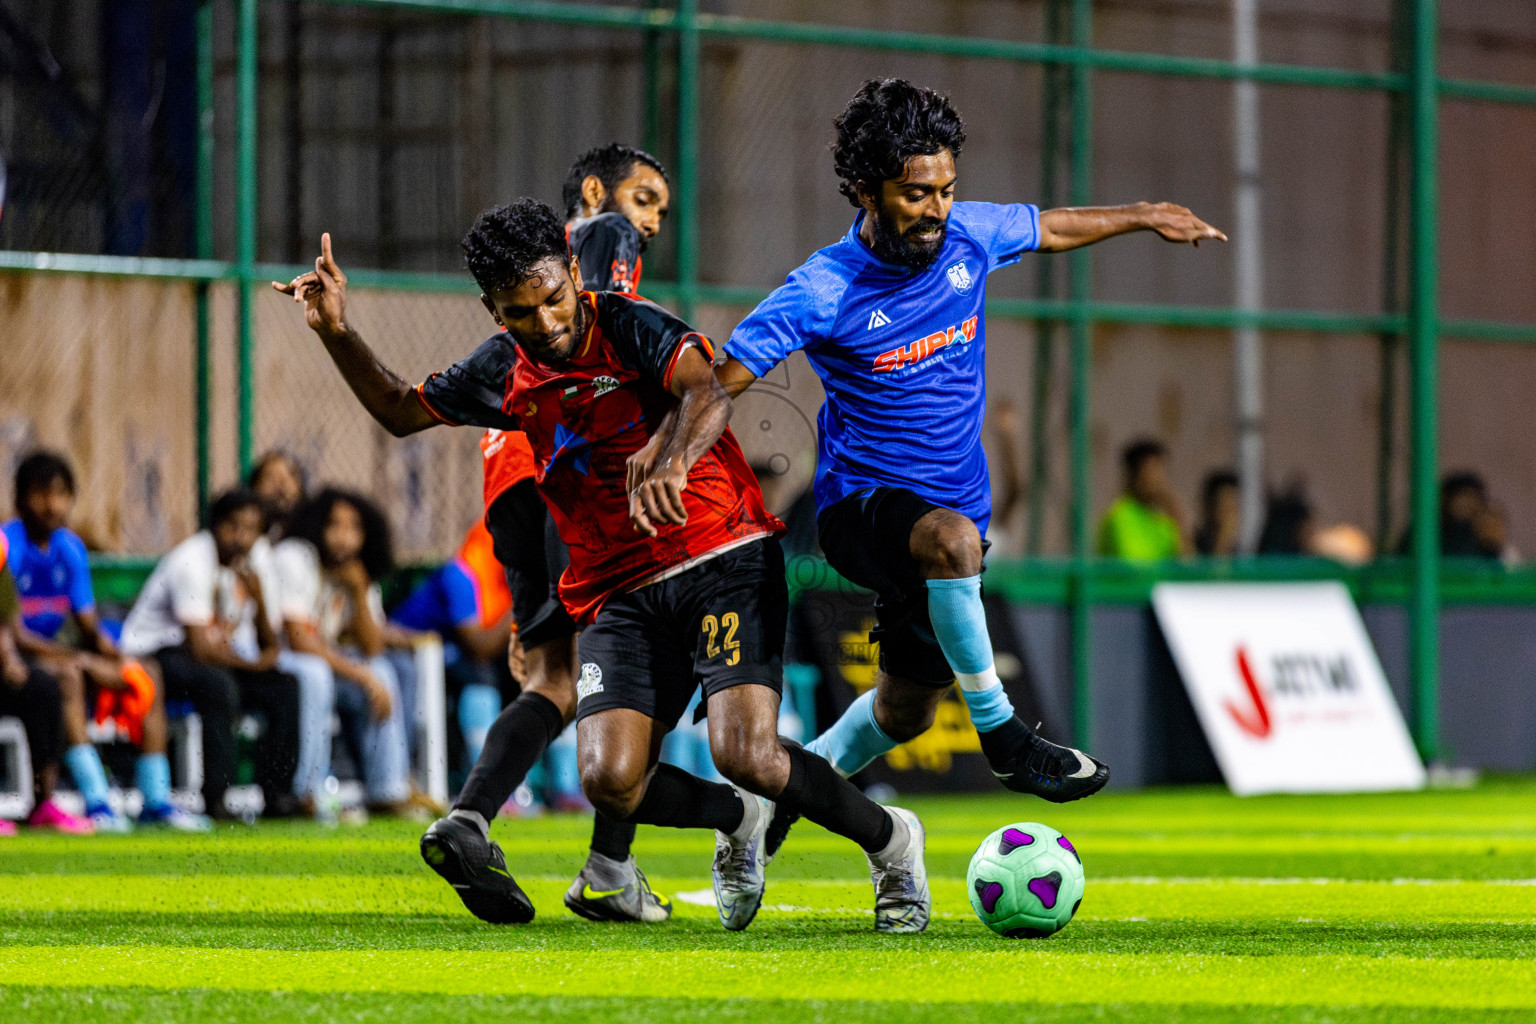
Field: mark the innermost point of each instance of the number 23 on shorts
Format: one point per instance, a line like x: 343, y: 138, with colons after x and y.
x: 730, y: 622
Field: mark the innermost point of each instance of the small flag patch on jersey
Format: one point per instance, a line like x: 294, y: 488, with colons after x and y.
x: 878, y: 319
x: 568, y: 392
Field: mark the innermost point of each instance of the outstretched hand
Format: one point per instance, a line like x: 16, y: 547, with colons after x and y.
x: 323, y: 291
x: 1176, y: 223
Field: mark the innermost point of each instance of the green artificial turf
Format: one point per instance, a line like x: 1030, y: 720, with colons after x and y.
x: 1200, y: 907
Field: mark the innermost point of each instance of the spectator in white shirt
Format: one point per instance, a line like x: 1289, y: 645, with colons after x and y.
x: 202, y: 616
x: 336, y: 550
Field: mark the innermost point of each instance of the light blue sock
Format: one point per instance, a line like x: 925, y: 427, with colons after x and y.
x: 960, y: 624
x: 478, y: 707
x: 90, y: 777
x: 855, y: 739
x: 152, y: 774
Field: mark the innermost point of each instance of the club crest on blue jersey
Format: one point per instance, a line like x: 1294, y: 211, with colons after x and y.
x: 960, y: 277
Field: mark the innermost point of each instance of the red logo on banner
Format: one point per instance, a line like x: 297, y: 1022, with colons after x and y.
x: 1252, y: 720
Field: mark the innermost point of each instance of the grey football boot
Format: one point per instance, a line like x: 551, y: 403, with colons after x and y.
x: 611, y: 890
x: 740, y: 863
x: 902, y: 900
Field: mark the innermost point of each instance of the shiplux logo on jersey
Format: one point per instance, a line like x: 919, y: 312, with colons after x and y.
x: 1287, y: 687
x: 960, y: 277
x: 914, y: 352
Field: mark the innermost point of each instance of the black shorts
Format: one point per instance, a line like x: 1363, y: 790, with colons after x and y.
x: 868, y: 540
x: 526, y: 544
x: 717, y: 625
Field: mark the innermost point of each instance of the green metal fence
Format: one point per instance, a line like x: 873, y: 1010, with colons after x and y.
x: 1072, y: 60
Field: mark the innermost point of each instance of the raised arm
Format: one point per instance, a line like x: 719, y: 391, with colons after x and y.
x: 702, y: 414
x: 1072, y: 227
x: 389, y: 399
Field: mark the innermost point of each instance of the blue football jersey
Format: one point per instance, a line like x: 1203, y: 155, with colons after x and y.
x: 901, y: 354
x: 52, y: 584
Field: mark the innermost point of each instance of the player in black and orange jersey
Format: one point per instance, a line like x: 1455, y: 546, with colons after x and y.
x: 616, y: 199
x: 675, y: 573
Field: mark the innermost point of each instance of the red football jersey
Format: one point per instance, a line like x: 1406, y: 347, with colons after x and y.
x: 607, y: 241
x: 584, y: 419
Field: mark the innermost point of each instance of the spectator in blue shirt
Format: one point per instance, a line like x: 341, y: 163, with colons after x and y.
x: 53, y: 580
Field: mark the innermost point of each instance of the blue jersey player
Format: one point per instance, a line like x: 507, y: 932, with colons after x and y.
x: 892, y: 319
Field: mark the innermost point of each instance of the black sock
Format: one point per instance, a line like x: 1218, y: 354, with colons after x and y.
x: 676, y: 799
x: 999, y: 745
x: 821, y: 795
x: 612, y: 838
x: 516, y: 741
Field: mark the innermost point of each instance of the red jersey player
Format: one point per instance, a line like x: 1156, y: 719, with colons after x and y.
x: 677, y: 576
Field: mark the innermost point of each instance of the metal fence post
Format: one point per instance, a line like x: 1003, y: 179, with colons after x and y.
x: 1423, y: 333
x: 203, y: 248
x: 688, y: 59
x: 245, y: 220
x: 1081, y: 334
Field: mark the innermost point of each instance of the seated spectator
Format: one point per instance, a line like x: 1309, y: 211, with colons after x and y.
x: 32, y: 695
x: 53, y: 578
x: 279, y: 481
x: 1143, y: 523
x: 328, y: 568
x: 1221, y: 515
x: 1471, y: 524
x: 202, y: 616
x: 1289, y: 528
x: 467, y: 603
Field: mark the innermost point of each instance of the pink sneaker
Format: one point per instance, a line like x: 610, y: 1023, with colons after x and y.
x: 50, y: 815
x: 7, y: 828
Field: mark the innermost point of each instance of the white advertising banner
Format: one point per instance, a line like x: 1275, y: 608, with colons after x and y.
x: 1287, y: 687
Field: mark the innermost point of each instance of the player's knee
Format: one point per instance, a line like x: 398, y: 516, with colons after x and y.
x: 904, y: 718
x: 754, y: 767
x: 947, y: 545
x: 614, y: 792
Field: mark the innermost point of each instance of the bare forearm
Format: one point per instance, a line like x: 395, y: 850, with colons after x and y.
x: 368, y: 631
x: 487, y: 644
x: 211, y: 651
x: 1074, y: 226
x: 389, y: 398
x: 702, y: 417
x: 37, y: 646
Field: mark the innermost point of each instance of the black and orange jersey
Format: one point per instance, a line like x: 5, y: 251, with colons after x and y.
x: 608, y: 249
x: 584, y: 418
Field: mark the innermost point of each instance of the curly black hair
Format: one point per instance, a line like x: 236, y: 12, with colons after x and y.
x: 611, y: 163
x: 507, y: 242
x: 224, y: 506
x: 309, y: 520
x: 889, y: 121
x: 39, y: 470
